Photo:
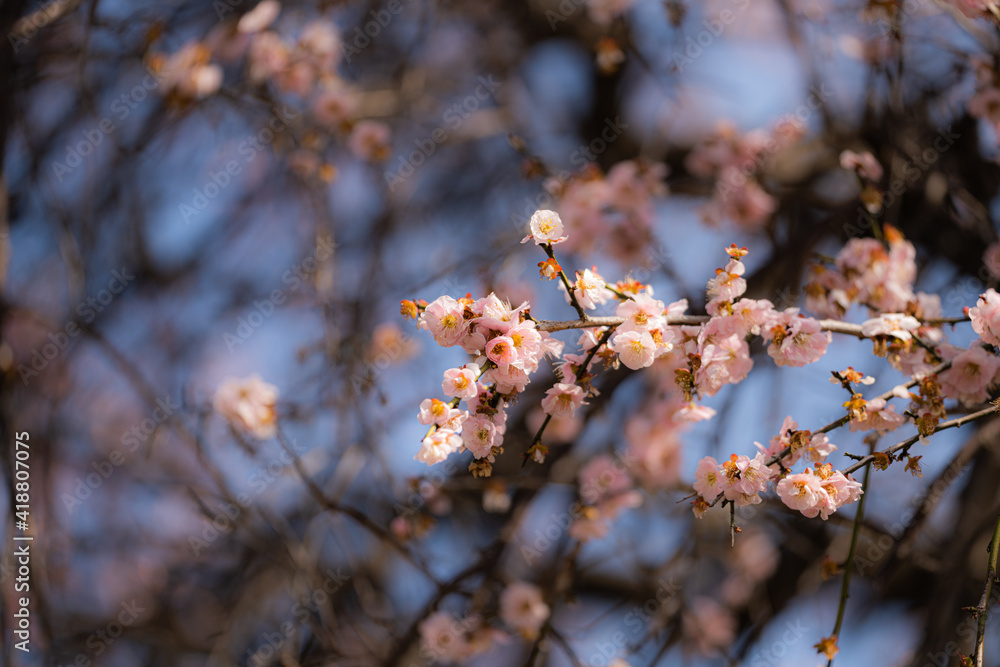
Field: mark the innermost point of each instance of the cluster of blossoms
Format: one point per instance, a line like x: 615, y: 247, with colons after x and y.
x: 450, y: 640
x: 508, y: 348
x: 249, y: 405
x: 699, y: 358
x: 907, y: 329
x: 879, y: 277
x: 302, y: 70
x: 617, y: 208
x: 735, y: 161
x: 818, y: 492
x: 694, y: 357
x: 605, y: 490
x: 709, y: 623
x: 716, y: 353
x: 521, y: 608
x: 742, y: 479
x: 871, y: 274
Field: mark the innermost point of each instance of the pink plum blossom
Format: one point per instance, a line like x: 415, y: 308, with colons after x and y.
x: 562, y: 399
x: 636, y: 350
x: 443, y: 638
x: 728, y: 283
x: 459, y: 382
x: 523, y: 609
x: 369, y: 140
x: 249, y: 405
x: 435, y: 411
x: 795, y: 340
x: 864, y: 164
x: 708, y: 626
x: 818, y: 448
x: 879, y: 416
x: 590, y: 289
x: 335, y: 105
x: 803, y: 492
x: 985, y: 317
x: 708, y: 478
x: 444, y: 318
x: 438, y: 446
x: 971, y: 374
x: 320, y: 43
x: 260, y: 17
x: 479, y: 435
x: 501, y: 351
x: 602, y: 477
x: 641, y: 313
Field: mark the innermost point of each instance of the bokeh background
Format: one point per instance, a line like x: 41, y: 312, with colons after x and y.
x: 179, y: 205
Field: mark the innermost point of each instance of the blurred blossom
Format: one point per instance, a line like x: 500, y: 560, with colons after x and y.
x: 250, y: 405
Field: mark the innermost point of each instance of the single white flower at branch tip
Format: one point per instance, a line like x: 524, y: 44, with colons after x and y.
x: 546, y: 227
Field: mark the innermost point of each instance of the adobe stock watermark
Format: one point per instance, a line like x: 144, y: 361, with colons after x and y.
x: 452, y: 119
x: 588, y: 152
x: 883, y: 545
x: 258, y: 481
x: 87, y: 311
x: 910, y: 172
x: 565, y: 9
x: 968, y: 289
x: 583, y: 155
x: 714, y: 27
x: 765, y: 657
x: 27, y: 27
x: 223, y: 7
x: 102, y: 638
x: 904, y: 11
x: 362, y: 38
x: 249, y: 148
x: 373, y: 367
x: 817, y: 98
x: 635, y: 621
x: 966, y: 630
x: 122, y: 107
x: 266, y: 307
x: 104, y: 467
x: 559, y: 523
x: 266, y: 651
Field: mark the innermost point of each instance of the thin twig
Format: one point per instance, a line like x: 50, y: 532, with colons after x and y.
x: 905, y: 444
x: 837, y: 423
x: 845, y: 585
x: 835, y: 326
x: 583, y: 370
x: 565, y: 281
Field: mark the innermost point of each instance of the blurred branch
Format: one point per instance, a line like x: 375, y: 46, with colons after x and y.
x: 905, y: 444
